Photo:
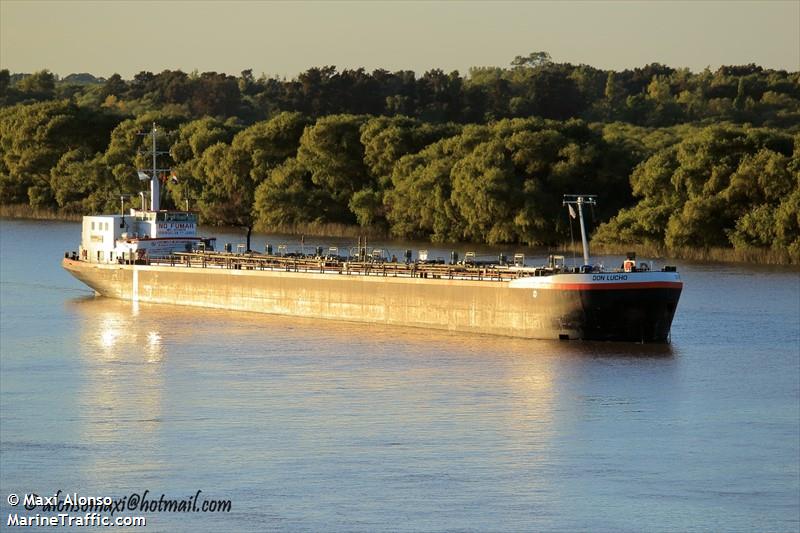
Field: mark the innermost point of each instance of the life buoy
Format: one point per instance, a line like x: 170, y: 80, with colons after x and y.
x: 629, y: 265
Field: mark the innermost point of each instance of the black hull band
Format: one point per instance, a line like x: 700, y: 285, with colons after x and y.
x: 632, y: 315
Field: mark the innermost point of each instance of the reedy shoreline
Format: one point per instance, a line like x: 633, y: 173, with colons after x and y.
x: 24, y: 211
x: 752, y: 255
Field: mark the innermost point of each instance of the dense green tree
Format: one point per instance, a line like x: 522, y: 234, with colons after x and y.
x: 5, y: 80
x: 115, y: 86
x: 271, y: 142
x: 385, y: 141
x: 212, y: 94
x: 654, y: 95
x: 419, y: 204
x: 40, y: 85
x: 224, y: 177
x: 192, y: 140
x: 678, y: 158
x: 533, y: 60
x: 288, y: 197
x: 720, y: 186
x: 83, y: 183
x: 228, y: 192
x: 33, y: 139
x: 492, y: 93
x: 485, y: 190
x: 331, y: 150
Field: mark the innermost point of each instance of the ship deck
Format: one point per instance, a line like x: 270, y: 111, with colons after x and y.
x: 338, y: 266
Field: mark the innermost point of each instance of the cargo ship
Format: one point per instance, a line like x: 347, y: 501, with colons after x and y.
x: 155, y: 255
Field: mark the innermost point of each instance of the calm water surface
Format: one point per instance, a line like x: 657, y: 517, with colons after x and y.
x: 318, y: 425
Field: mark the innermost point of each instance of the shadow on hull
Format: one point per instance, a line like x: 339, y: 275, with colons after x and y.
x: 643, y: 315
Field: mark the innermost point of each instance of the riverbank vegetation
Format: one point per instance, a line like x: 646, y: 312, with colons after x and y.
x: 683, y: 162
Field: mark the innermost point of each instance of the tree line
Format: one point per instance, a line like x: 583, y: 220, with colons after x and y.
x: 708, y: 159
x: 654, y: 95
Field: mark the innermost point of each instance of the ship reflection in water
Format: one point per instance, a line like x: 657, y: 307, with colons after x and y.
x: 122, y: 402
x: 295, y: 405
x: 116, y: 331
x: 142, y: 326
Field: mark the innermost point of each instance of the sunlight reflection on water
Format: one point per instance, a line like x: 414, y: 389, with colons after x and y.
x: 325, y: 425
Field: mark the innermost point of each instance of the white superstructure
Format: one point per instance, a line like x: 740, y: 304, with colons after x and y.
x: 139, y: 235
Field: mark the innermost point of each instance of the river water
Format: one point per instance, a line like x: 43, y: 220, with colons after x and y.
x: 311, y: 425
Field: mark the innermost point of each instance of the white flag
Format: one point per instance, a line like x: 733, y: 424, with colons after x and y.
x: 143, y: 176
x: 571, y: 211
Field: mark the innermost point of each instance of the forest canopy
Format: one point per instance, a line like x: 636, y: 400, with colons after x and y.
x: 708, y: 159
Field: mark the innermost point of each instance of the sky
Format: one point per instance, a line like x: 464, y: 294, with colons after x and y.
x: 286, y: 38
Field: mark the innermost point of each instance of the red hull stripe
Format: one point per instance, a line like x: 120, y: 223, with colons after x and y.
x: 614, y: 286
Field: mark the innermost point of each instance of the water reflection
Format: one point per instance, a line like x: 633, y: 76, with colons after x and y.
x: 154, y: 349
x: 311, y: 425
x: 285, y: 388
x: 123, y: 355
x: 607, y: 350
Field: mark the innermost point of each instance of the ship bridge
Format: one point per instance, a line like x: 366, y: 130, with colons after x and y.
x: 162, y: 224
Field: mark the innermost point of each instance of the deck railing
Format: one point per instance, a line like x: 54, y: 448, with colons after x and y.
x: 347, y: 266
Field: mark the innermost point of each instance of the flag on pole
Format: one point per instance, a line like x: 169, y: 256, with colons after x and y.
x: 571, y: 211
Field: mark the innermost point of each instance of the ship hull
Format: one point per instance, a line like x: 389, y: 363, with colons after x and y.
x: 539, y: 308
x: 639, y: 315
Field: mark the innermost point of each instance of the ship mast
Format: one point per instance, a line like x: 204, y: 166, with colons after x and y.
x: 579, y: 200
x: 155, y: 184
